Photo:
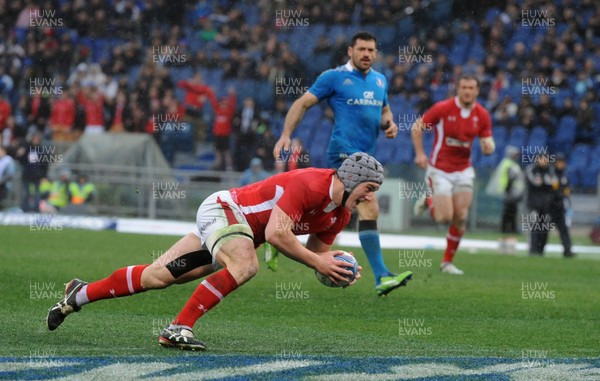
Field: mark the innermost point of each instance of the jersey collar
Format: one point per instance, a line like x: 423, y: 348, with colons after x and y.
x: 461, y: 107
x: 351, y: 68
x: 331, y: 206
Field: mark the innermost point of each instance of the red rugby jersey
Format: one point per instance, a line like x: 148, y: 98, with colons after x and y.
x: 455, y: 128
x: 304, y: 195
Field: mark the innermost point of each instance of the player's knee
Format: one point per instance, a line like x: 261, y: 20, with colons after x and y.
x: 442, y: 218
x: 460, y: 219
x: 459, y: 222
x: 245, y: 265
x: 239, y: 257
x: 152, y: 279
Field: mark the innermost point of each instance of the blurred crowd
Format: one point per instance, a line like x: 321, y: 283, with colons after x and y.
x: 175, y: 69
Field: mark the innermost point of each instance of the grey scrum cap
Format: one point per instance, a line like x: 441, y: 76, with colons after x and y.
x: 360, y: 168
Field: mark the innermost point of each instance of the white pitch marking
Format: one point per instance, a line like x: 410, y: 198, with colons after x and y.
x: 268, y: 367
x: 558, y: 372
x: 121, y: 371
x: 516, y: 372
x: 33, y: 363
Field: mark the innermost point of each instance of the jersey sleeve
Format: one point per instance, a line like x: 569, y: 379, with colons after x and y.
x: 385, y: 92
x: 433, y: 115
x: 328, y: 236
x: 323, y: 86
x: 486, y: 125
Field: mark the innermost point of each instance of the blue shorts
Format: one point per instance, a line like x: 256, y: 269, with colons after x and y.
x: 335, y: 160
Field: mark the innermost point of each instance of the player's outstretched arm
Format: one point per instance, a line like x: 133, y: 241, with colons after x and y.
x: 292, y: 118
x: 488, y: 146
x: 279, y: 234
x: 387, y: 123
x: 314, y: 244
x: 416, y: 133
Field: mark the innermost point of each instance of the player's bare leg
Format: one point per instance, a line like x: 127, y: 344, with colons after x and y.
x: 240, y: 263
x: 182, y: 262
x: 461, y: 201
x: 185, y: 261
x: 442, y: 208
x: 385, y: 281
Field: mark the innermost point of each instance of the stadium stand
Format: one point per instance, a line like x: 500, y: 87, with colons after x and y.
x: 234, y: 43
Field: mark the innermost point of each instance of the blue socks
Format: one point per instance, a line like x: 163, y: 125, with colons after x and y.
x: 369, y: 240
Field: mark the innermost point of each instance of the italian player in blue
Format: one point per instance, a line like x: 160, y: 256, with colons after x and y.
x: 358, y: 96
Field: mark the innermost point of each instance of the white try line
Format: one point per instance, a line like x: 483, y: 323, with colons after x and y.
x: 350, y: 239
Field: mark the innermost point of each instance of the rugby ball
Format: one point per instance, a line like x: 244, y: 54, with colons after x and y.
x: 352, y: 266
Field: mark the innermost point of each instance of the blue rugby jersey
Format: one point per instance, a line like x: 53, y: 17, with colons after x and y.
x: 357, y: 101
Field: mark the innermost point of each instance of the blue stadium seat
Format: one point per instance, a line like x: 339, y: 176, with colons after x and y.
x: 477, y: 53
x: 264, y: 94
x: 404, y: 152
x: 516, y: 92
x: 311, y: 118
x: 245, y: 88
x: 458, y: 55
x: 589, y: 178
x: 251, y: 13
x: 488, y: 161
x: 560, y: 96
x: 132, y: 75
x: 318, y: 63
x: 577, y: 163
x: 384, y: 149
x: 440, y: 93
x: 428, y: 142
x: 318, y: 29
x: 520, y: 35
x: 180, y: 73
x: 462, y: 39
x: 385, y: 37
x: 301, y: 41
x: 318, y: 158
x: 500, y: 134
x: 322, y: 132
x: 398, y: 104
x: 404, y: 29
x: 213, y: 76
x: 565, y: 134
x: 304, y: 134
x: 538, y: 137
x: 439, y: 12
x: 589, y: 174
x: 518, y: 136
x: 574, y: 178
x: 475, y: 152
x: 579, y: 156
x: 596, y: 122
x: 491, y: 15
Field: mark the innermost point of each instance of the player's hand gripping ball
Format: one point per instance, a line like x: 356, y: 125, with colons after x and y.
x: 352, y: 266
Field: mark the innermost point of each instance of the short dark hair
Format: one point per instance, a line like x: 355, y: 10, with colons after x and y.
x: 362, y: 35
x: 468, y: 77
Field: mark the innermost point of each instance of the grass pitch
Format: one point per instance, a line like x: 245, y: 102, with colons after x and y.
x: 501, y: 307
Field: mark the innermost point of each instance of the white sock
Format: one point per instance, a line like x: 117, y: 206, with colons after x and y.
x: 81, y: 297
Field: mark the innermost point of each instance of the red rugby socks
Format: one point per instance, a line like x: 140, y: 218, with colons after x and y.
x: 207, y: 295
x: 452, y: 242
x: 122, y: 282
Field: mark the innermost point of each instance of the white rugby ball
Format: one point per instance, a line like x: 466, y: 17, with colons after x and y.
x: 352, y: 266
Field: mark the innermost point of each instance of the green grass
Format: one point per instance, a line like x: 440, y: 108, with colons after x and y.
x: 479, y: 314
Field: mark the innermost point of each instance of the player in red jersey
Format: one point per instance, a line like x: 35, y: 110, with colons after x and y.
x: 230, y: 226
x: 449, y: 174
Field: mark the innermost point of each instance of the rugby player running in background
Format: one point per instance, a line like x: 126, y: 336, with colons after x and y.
x: 358, y: 96
x: 449, y: 174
